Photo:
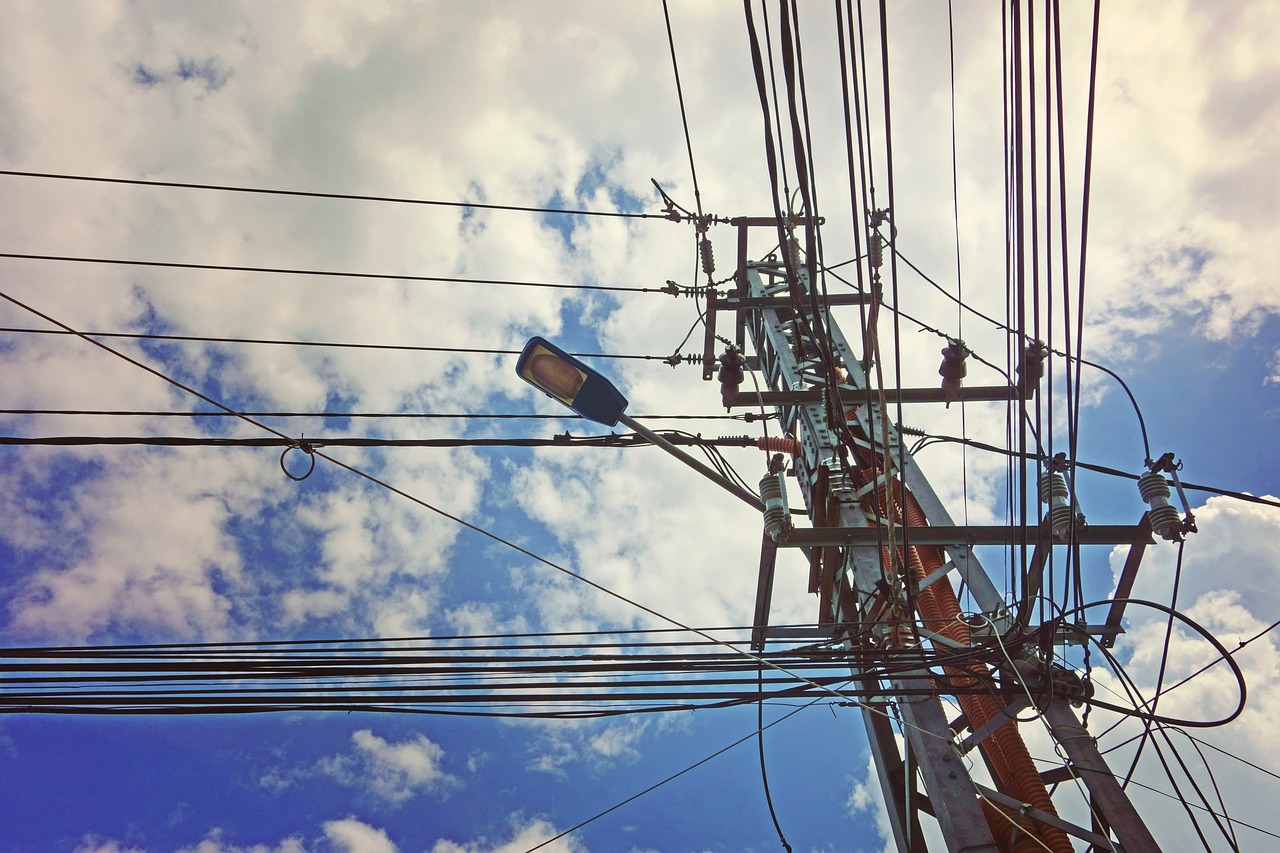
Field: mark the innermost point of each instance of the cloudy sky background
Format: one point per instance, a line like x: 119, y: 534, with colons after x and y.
x: 560, y: 105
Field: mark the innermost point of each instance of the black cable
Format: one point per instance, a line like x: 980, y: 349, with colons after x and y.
x: 566, y: 440
x: 193, y: 392
x: 684, y: 118
x: 1227, y: 753
x: 1238, y: 647
x: 670, y: 778
x: 1050, y: 628
x: 311, y: 452
x: 1193, y: 805
x: 1234, y: 841
x: 764, y: 774
x: 1103, y: 469
x: 414, y: 415
x: 327, y: 273
x: 1134, y: 695
x: 338, y: 196
x: 1164, y: 662
x: 322, y: 344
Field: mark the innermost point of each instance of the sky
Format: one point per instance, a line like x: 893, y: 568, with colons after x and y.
x: 570, y: 105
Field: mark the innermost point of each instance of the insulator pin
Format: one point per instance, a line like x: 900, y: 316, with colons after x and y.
x: 1031, y: 367
x: 875, y: 251
x: 953, y: 370
x: 773, y: 494
x: 1162, y: 516
x: 1054, y: 492
x: 731, y: 375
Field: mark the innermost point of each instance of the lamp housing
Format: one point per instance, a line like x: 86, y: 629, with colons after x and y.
x: 564, y: 378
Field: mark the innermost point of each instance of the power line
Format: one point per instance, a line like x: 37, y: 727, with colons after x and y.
x: 312, y: 453
x: 338, y: 196
x: 1142, y: 424
x: 1102, y: 469
x: 566, y: 440
x: 684, y: 117
x: 439, y: 279
x: 324, y: 344
x: 568, y: 416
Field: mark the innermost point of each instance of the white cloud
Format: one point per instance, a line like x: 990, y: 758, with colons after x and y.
x: 492, y: 104
x: 212, y: 843
x: 389, y: 772
x: 563, y: 747
x: 525, y: 834
x: 1234, y: 550
x: 95, y: 845
x: 352, y: 836
x: 399, y: 771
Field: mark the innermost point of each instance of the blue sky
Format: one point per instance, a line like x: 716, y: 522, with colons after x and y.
x: 568, y: 104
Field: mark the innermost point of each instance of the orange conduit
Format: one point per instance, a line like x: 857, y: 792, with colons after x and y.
x: 940, y: 610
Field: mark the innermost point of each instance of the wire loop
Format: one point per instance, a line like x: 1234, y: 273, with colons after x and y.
x: 307, y: 448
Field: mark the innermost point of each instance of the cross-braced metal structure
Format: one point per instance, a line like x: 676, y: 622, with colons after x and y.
x: 885, y: 560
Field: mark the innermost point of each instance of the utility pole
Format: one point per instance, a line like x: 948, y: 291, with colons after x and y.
x: 884, y: 558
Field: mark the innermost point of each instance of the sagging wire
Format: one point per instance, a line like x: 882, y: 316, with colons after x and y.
x: 1004, y: 327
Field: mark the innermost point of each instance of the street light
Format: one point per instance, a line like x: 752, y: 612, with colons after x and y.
x: 584, y: 390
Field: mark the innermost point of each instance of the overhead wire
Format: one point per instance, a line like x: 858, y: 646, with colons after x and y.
x: 670, y: 778
x: 1142, y: 426
x: 467, y: 205
x: 1103, y: 469
x: 433, y: 279
x: 155, y: 336
x: 568, y: 416
x: 684, y: 117
x: 625, y: 440
x: 314, y: 453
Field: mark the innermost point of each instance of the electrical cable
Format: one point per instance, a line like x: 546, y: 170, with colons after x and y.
x: 1142, y: 426
x: 626, y: 440
x: 684, y: 118
x: 1049, y: 628
x: 416, y: 500
x: 764, y: 774
x: 1103, y: 469
x: 670, y: 778
x: 323, y: 195
x: 436, y: 279
x: 321, y: 344
x: 1134, y: 697
x: 1164, y: 661
x: 389, y: 415
x: 1236, y: 821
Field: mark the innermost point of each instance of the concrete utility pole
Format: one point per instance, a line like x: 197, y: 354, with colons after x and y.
x: 883, y: 554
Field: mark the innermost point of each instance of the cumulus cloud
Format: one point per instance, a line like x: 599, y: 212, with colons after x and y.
x: 389, y: 772
x: 525, y: 834
x: 492, y: 105
x: 352, y: 836
x: 340, y: 836
x: 214, y: 842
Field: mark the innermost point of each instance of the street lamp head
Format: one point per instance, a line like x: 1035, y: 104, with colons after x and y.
x: 562, y: 377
